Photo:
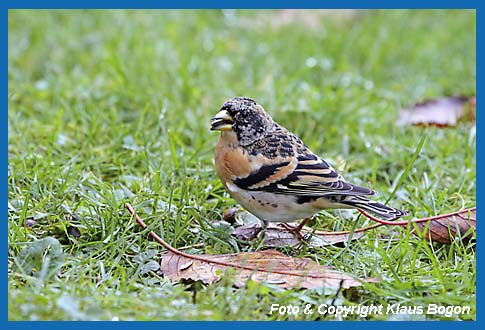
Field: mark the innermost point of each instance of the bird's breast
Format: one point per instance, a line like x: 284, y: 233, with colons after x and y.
x: 231, y: 161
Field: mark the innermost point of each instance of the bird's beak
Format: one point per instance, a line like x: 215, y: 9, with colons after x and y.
x: 222, y: 121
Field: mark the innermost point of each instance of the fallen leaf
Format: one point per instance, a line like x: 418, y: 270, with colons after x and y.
x: 443, y: 229
x: 269, y: 266
x: 230, y: 215
x: 441, y: 112
x: 73, y: 231
x: 331, y: 238
x: 30, y: 223
x: 276, y: 235
x: 471, y: 110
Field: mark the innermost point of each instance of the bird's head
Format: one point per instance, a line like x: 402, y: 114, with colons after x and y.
x: 245, y: 117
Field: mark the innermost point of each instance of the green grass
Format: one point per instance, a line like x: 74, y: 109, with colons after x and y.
x: 108, y: 107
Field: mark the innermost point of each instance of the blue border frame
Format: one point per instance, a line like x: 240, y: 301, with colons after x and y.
x: 247, y: 4
x: 208, y: 4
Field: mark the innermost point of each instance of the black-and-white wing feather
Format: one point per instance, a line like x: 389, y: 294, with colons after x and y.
x: 310, y: 176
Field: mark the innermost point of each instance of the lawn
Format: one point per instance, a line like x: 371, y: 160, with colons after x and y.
x: 109, y: 107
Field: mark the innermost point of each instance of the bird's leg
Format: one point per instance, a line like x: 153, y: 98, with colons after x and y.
x: 260, y: 234
x: 297, y: 230
x: 262, y: 229
x: 264, y: 224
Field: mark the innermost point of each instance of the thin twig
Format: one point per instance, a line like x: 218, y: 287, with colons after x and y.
x: 403, y: 223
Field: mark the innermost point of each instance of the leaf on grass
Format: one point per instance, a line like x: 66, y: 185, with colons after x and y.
x: 276, y: 235
x: 267, y: 266
x: 444, y: 228
x: 230, y: 215
x: 73, y: 231
x: 29, y: 223
x: 441, y: 112
x: 331, y: 238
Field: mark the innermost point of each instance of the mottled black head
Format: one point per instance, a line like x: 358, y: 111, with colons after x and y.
x: 245, y: 117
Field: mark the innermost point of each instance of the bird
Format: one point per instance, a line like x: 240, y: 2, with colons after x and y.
x: 272, y: 174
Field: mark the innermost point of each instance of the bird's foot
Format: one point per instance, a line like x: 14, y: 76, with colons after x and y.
x: 297, y: 230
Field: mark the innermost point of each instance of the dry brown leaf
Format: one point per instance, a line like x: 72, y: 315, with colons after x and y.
x: 443, y: 229
x: 276, y: 235
x: 247, y: 226
x: 269, y: 266
x: 230, y: 214
x: 331, y: 238
x: 441, y: 112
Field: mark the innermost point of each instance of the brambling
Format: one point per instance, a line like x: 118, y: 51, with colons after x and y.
x: 274, y: 175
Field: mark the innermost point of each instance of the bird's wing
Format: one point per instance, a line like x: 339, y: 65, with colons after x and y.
x: 304, y: 175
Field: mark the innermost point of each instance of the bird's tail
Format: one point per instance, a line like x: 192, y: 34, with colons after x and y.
x: 378, y: 209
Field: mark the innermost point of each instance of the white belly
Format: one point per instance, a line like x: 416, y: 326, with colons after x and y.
x: 271, y: 207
